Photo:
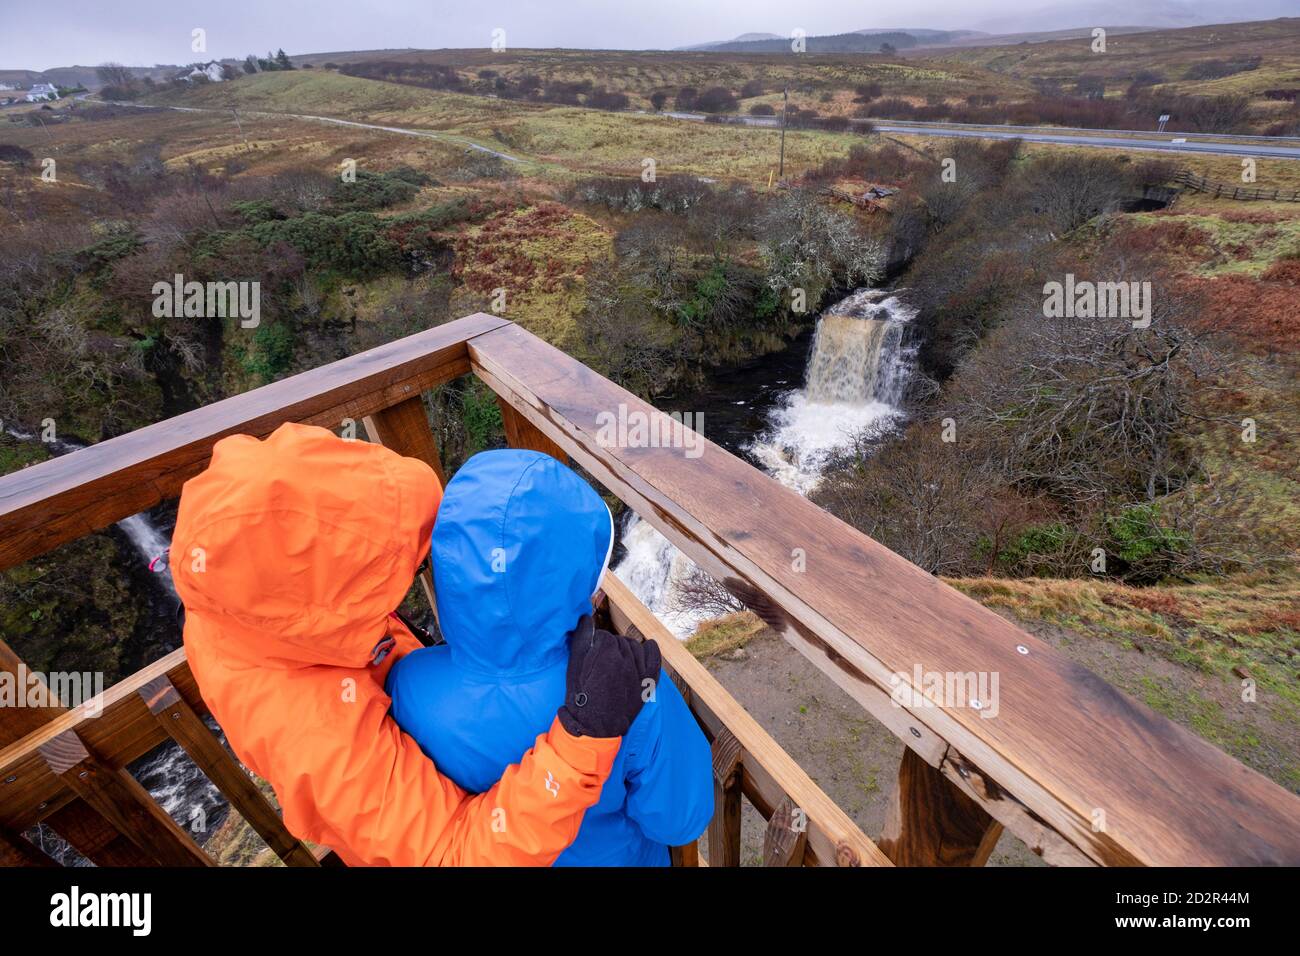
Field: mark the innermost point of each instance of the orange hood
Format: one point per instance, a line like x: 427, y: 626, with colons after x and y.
x: 296, y: 548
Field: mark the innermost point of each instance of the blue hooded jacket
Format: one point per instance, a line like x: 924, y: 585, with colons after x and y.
x: 519, y: 548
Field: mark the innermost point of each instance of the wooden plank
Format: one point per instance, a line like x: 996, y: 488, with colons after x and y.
x: 123, y: 732
x: 1167, y: 796
x: 94, y: 837
x: 521, y: 433
x: 1010, y: 812
x: 405, y: 428
x: 219, y: 765
x: 18, y: 722
x: 686, y: 855
x: 932, y: 823
x: 724, y: 828
x: 64, y: 498
x: 118, y: 798
x: 17, y: 850
x: 786, y: 836
x: 769, y: 773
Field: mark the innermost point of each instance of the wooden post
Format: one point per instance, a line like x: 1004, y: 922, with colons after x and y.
x: 17, y: 722
x: 404, y: 428
x: 932, y: 823
x: 786, y: 836
x: 521, y: 433
x: 724, y: 828
x: 687, y: 855
x: 187, y: 729
x: 117, y: 797
x: 15, y: 850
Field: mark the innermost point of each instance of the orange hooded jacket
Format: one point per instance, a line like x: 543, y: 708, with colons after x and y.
x: 289, y: 554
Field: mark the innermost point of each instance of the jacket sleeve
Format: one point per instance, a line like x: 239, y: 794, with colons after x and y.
x: 670, y: 770
x: 381, y: 801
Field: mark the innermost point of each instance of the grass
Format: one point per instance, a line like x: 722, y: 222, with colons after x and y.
x: 724, y: 634
x: 564, y: 140
x: 1241, y: 239
x: 1169, y: 52
x: 539, y: 255
x: 1248, y: 623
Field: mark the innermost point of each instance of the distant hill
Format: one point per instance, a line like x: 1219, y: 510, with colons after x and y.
x: 839, y: 43
x: 74, y: 76
x: 1046, y: 36
x: 1157, y: 13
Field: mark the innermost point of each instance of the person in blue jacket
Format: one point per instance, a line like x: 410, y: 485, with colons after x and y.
x: 519, y: 548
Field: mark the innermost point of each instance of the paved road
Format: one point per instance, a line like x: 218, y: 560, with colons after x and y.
x: 1164, y: 144
x: 1067, y: 136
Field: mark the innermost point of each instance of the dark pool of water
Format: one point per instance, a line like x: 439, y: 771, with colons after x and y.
x: 736, y: 399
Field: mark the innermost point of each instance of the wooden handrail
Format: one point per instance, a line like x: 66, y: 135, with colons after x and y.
x: 56, y: 501
x: 1077, y: 770
x: 1118, y: 782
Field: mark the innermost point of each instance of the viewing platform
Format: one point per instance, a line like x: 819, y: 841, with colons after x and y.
x: 1081, y: 773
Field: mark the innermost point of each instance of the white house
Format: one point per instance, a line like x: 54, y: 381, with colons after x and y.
x: 41, y: 92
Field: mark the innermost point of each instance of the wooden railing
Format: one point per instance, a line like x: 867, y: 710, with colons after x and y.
x: 1215, y: 189
x: 1064, y: 761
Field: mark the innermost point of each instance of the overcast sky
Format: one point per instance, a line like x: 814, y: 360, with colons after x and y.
x: 38, y: 35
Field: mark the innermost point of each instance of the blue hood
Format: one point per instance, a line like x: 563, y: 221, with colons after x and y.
x: 519, y: 547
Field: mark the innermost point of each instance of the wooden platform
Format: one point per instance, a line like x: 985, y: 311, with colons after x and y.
x: 1077, y: 770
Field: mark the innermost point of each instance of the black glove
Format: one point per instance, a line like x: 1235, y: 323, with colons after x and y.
x: 606, y: 681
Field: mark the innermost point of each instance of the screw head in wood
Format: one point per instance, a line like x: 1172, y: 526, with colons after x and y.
x: 11, y: 779
x: 915, y: 732
x: 1021, y: 649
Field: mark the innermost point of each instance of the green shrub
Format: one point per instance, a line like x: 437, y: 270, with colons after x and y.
x: 256, y: 210
x: 377, y: 190
x: 353, y: 243
x: 272, y: 351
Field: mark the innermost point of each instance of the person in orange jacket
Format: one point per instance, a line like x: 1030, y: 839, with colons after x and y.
x: 290, y: 555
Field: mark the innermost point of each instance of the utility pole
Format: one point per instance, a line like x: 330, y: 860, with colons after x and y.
x: 785, y: 106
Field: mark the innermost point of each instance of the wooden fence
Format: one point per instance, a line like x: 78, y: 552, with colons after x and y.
x: 1216, y: 189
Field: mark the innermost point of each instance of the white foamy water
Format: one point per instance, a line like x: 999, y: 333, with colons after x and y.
x: 653, y: 569
x: 853, y: 386
x: 150, y: 543
x: 855, y: 379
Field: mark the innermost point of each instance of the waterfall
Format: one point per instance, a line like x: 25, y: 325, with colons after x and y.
x: 150, y: 543
x: 853, y: 385
x: 653, y: 570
